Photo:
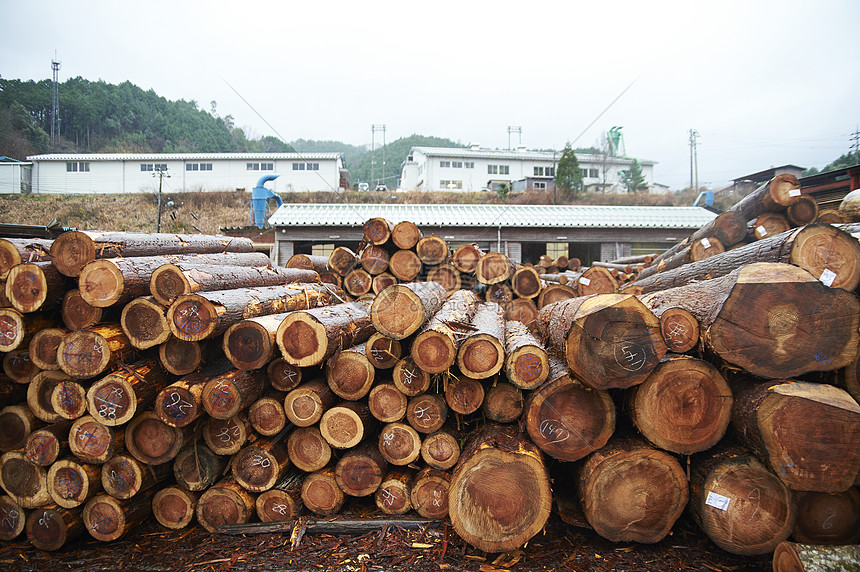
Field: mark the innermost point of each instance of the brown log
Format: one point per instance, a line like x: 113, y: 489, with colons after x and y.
x: 39, y: 394
x: 77, y: 314
x: 405, y: 265
x: 282, y: 375
x: 144, y: 321
x: 463, y: 395
x: 387, y: 403
x: 567, y: 419
x: 18, y: 367
x: 229, y: 393
x: 441, y: 450
x: 46, y: 445
x: 14, y: 251
x: 524, y: 311
x: 345, y: 425
x: 499, y: 293
x: 465, y: 258
x: 672, y: 262
x: 72, y: 483
x: 684, y: 406
x: 632, y: 492
x: 174, y: 507
x: 18, y: 330
x: 402, y: 309
x: 112, y: 281
x: 526, y: 361
x: 180, y: 357
x: 93, y: 442
x: 377, y: 231
x: 447, y: 276
x: 499, y: 496
x: 181, y: 402
x: 266, y: 415
x: 410, y: 379
x: 24, y: 481
x: 555, y: 293
x: 332, y: 278
x: 226, y: 436
x: 406, y: 234
x: 196, y: 467
x: 153, y: 442
x: 795, y: 557
x: 358, y: 282
x: 90, y: 352
x: 773, y: 196
x: 224, y: 503
x: 774, y: 320
x: 504, y: 403
x: 494, y: 267
x: 803, y: 211
x: 828, y: 518
x: 250, y: 343
x: 309, y: 337
x: 114, y: 399
x: 429, y: 493
x: 768, y: 224
x: 170, y: 281
x: 765, y: 418
x: 432, y: 250
x: 399, y: 444
x: 374, y: 259
x: 321, y: 494
x: 830, y: 216
x: 382, y: 281
x: 69, y: 399
x: 427, y: 412
x: 848, y: 378
x: 434, y: 349
x: 392, y: 496
x: 124, y: 476
x: 342, y: 260
x: 596, y: 280
x: 526, y: 283
x: 307, y: 449
x: 350, y: 373
x: 482, y: 353
x: 738, y: 502
x: 283, y: 502
x: 259, y: 466
x: 383, y: 352
x: 679, y: 327
x: 305, y: 405
x: 43, y: 347
x: 4, y: 301
x: 308, y: 262
x: 35, y: 286
x: 359, y: 472
x: 50, y: 528
x: 13, y: 518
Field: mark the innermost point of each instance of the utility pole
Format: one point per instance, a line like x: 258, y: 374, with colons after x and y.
x: 55, y: 102
x: 515, y: 129
x: 160, y: 174
x: 694, y: 160
x: 856, y: 145
x: 374, y: 128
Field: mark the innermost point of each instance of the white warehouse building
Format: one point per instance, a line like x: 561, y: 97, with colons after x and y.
x: 475, y: 169
x: 139, y: 172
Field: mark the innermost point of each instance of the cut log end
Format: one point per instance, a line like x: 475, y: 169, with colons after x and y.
x: 192, y: 318
x: 247, y: 345
x: 71, y: 251
x: 101, y: 283
x: 302, y: 340
x: 168, y: 283
x: 180, y: 357
x: 83, y: 354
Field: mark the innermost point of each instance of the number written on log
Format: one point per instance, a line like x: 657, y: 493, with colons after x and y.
x: 528, y: 366
x: 10, y: 519
x: 553, y: 431
x: 630, y: 356
x: 177, y: 407
x: 8, y: 329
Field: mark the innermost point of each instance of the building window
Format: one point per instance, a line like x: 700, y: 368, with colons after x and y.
x: 504, y: 170
x: 252, y: 166
x: 457, y: 164
x: 584, y: 172
x: 192, y: 166
x: 322, y: 249
x: 556, y: 249
x: 469, y: 164
x: 593, y: 173
x: 450, y: 185
x: 146, y: 166
x: 492, y: 169
x: 540, y: 185
x: 313, y: 166
x: 544, y: 171
x: 161, y: 166
x: 298, y: 166
x: 267, y: 166
x: 444, y: 163
x: 205, y: 166
x: 77, y: 166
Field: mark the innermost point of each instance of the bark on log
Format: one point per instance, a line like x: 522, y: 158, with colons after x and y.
x: 152, y: 441
x: 359, y: 472
x: 342, y: 260
x: 808, y: 433
x: 90, y: 352
x: 320, y: 493
x: 307, y: 449
x: 39, y: 393
x: 43, y: 347
x: 350, y: 373
x: 174, y: 507
x: 504, y: 403
x: 50, y: 528
x: 345, y: 425
x: 406, y: 234
x: 224, y: 503
x: 795, y: 557
x: 24, y: 481
x: 72, y: 483
x: 392, y: 496
x: 305, y: 405
x: 429, y: 493
x: 482, y: 353
x: 283, y: 502
x: 93, y: 442
x: 14, y: 251
x: 259, y: 466
x: 402, y: 309
x: 465, y: 258
x: 319, y: 264
x: 828, y: 518
x: 526, y: 361
x: 229, y: 393
x: 410, y: 379
x: 266, y: 415
x: 196, y: 467
x: 494, y: 267
x: 117, y: 397
x: 434, y: 349
x: 384, y: 352
x: 124, y: 476
x: 387, y: 403
x: 432, y: 250
x: 463, y: 395
x: 226, y: 436
x: 46, y: 445
x: 399, y: 444
x: 309, y: 337
x: 773, y: 196
x: 441, y: 450
x: 181, y: 402
x: 739, y: 503
x: 684, y: 406
x: 14, y: 518
x: 632, y: 492
x: 427, y: 412
x: 405, y: 265
x: 35, y: 286
x: 499, y: 496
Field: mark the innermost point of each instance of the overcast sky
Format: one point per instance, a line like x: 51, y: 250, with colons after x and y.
x: 765, y: 83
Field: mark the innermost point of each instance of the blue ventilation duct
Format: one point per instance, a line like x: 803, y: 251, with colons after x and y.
x: 259, y: 198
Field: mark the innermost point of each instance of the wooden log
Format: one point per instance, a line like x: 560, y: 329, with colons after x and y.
x: 427, y: 412
x: 377, y: 231
x: 283, y: 502
x: 772, y: 196
x: 112, y: 281
x: 465, y: 258
x: 309, y: 337
x: 383, y: 352
x: 830, y: 216
x: 307, y: 449
x: 92, y: 351
x: 441, y: 450
x: 482, y: 353
x: 796, y: 557
x: 632, y: 492
x: 13, y: 518
x: 18, y: 366
x: 463, y: 395
x: 526, y: 361
x: 170, y: 281
x: 684, y: 406
x: 77, y: 314
x: 259, y: 466
x: 399, y: 444
x: 321, y: 494
x: 499, y: 496
x: 152, y: 441
x: 14, y: 251
x: 46, y: 445
x: 18, y: 330
x: 308, y: 262
x: 180, y: 357
x: 405, y: 265
x: 72, y: 483
x: 350, y: 373
x: 382, y: 281
x: 24, y: 481
x: 374, y: 259
x: 35, y: 286
x: 227, y: 394
x: 447, y: 276
x: 410, y: 379
x: 387, y: 403
x: 50, y: 528
x: 10, y: 392
x: 555, y: 293
x: 342, y: 260
x: 226, y: 436
x: 499, y: 293
x: 504, y: 403
x: 765, y: 417
x: 224, y: 503
x: 494, y: 267
x: 679, y: 327
x: 358, y: 282
x: 429, y: 492
x: 94, y: 443
x: 402, y: 309
x: 43, y: 347
x: 434, y: 349
x: 596, y: 280
x: 775, y: 321
x: 124, y: 476
x: 828, y: 518
x: 282, y: 375
x: 566, y: 419
x: 39, y: 394
x: 196, y: 467
x: 524, y: 311
x: 266, y: 415
x: 69, y: 399
x: 144, y: 321
x: 432, y: 250
x: 114, y: 399
x: 609, y: 340
x: 359, y: 472
x: 392, y: 496
x: 305, y: 405
x: 406, y: 234
x: 181, y: 402
x: 345, y: 425
x: 174, y: 507
x: 526, y: 283
x: 768, y: 224
x: 738, y: 502
x: 250, y: 343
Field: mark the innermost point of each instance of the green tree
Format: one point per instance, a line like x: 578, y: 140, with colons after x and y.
x: 633, y: 178
x: 503, y: 191
x: 568, y: 175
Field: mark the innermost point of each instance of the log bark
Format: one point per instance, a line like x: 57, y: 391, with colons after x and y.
x: 90, y: 352
x: 305, y: 405
x: 173, y: 507
x: 266, y: 415
x: 434, y: 349
x: 441, y: 450
x: 384, y: 352
x: 224, y: 503
x: 39, y: 393
x: 320, y: 493
x: 494, y: 267
x: 313, y: 262
x: 773, y: 196
x: 795, y: 557
x: 405, y: 265
x: 181, y: 402
x: 307, y: 449
x: 196, y: 467
x: 229, y: 393
x: 14, y: 251
x: 35, y: 286
x: 463, y: 395
x: 50, y: 528
x: 226, y: 436
x: 72, y: 483
x: 499, y: 496
x: 345, y: 425
x: 342, y: 260
x: 399, y: 444
x: 432, y: 250
x: 309, y: 337
x: 430, y: 492
x: 482, y: 353
x: 465, y: 258
x: 46, y: 445
x: 828, y: 518
x: 24, y: 481
x: 567, y: 419
x: 632, y: 492
x: 94, y: 443
x: 14, y: 518
x: 392, y: 496
x: 767, y: 418
x: 283, y: 502
x: 427, y: 412
x: 43, y: 347
x: 350, y: 373
x: 504, y: 403
x: 738, y: 502
x: 259, y: 466
x: 359, y: 472
x: 124, y: 476
x: 684, y: 406
x: 401, y: 310
x: 526, y: 361
x: 117, y: 397
x: 410, y: 379
x: 153, y: 442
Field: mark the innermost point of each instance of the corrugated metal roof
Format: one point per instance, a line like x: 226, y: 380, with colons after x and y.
x: 177, y: 156
x: 566, y: 216
x: 466, y: 153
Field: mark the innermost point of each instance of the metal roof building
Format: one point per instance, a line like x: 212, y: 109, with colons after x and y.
x: 522, y: 231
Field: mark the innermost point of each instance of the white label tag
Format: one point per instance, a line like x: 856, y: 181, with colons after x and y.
x: 706, y: 243
x: 761, y: 230
x: 717, y: 501
x: 827, y: 277
x: 584, y: 281
x: 794, y: 193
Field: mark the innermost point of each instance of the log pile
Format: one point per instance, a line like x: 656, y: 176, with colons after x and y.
x: 484, y: 392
